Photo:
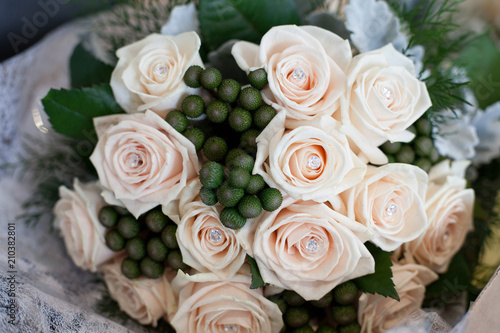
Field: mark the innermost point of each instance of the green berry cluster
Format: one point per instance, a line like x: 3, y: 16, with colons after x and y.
x: 242, y: 194
x: 234, y: 119
x: 420, y: 152
x: 334, y: 312
x: 149, y: 242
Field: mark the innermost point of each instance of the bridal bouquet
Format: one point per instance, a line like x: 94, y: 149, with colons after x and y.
x: 284, y: 172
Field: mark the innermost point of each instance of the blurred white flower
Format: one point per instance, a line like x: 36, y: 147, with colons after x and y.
x: 183, y: 18
x: 456, y: 138
x: 487, y: 126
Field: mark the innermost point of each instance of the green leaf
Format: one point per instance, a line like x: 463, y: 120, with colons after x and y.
x: 86, y: 70
x: 481, y: 59
x: 223, y: 20
x: 71, y: 111
x: 329, y: 22
x: 305, y: 7
x: 379, y: 282
x: 257, y: 280
x: 223, y: 60
x: 456, y: 279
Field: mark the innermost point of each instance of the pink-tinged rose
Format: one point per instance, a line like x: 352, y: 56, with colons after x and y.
x: 149, y: 73
x: 76, y: 217
x: 449, y: 206
x: 377, y: 313
x: 305, y: 68
x: 310, y: 162
x: 205, y: 243
x: 383, y: 98
x: 309, y: 247
x: 212, y: 305
x: 390, y: 203
x: 145, y: 300
x: 142, y: 161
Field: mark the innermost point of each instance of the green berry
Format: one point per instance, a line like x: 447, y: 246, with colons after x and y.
x: 434, y: 155
x: 250, y: 98
x: 156, y: 249
x: 229, y: 90
x: 177, y: 120
x: 424, y: 127
x: 193, y: 106
x: 412, y: 129
x: 217, y: 111
x: 215, y: 148
x: 169, y: 238
x: 211, y: 175
x: 151, y: 269
x: 128, y: 227
x: 351, y: 328
x: 406, y: 155
x: 208, y: 196
x: 391, y: 159
x: 130, y: 268
x: 391, y: 147
x: 156, y: 220
x: 230, y: 218
x: 263, y: 116
x: 346, y: 293
x: 239, y: 178
x: 121, y: 210
x: 258, y: 78
x: 114, y: 240
x: 326, y: 329
x: 108, y: 216
x: 255, y: 185
x: 324, y: 301
x: 174, y: 260
x: 196, y: 136
x: 296, y: 316
x: 210, y: 78
x: 303, y: 329
x: 231, y: 155
x: 292, y: 298
x: 248, y: 138
x: 240, y: 119
x: 192, y: 76
x: 229, y: 196
x: 249, y: 207
x: 344, y: 314
x: 423, y: 146
x: 244, y: 161
x: 136, y: 248
x: 278, y: 299
x: 424, y: 164
x: 270, y: 198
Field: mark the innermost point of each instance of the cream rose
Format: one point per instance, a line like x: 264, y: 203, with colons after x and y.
x: 383, y: 98
x: 76, y: 217
x: 145, y: 300
x: 142, y: 161
x: 390, y: 203
x: 209, y: 304
x: 305, y: 68
x: 311, y: 162
x: 205, y: 243
x: 309, y: 247
x: 449, y: 207
x: 149, y: 73
x: 376, y: 313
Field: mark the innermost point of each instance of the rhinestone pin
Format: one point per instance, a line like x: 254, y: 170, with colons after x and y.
x: 312, y: 246
x: 161, y: 70
x: 215, y: 236
x: 230, y: 328
x: 314, y: 162
x: 391, y: 210
x: 387, y: 92
x: 298, y: 73
x: 133, y: 160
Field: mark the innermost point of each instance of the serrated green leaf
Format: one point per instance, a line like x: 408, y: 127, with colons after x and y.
x: 379, y: 282
x: 71, y: 111
x: 481, y: 59
x: 86, y: 70
x: 257, y: 280
x: 223, y: 20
